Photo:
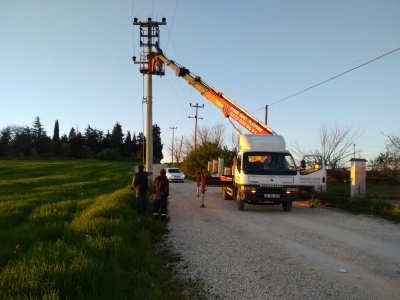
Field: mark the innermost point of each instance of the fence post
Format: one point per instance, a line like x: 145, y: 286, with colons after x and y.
x: 358, y: 177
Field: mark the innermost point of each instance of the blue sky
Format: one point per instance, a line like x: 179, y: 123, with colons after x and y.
x: 71, y: 61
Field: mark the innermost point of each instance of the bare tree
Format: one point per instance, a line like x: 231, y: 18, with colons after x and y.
x: 234, y: 141
x: 393, y: 150
x: 178, y: 149
x: 213, y: 134
x: 394, y: 142
x: 335, y: 144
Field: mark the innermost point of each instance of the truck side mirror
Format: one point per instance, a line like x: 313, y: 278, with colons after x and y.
x: 303, y: 164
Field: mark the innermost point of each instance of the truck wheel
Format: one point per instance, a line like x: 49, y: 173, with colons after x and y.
x: 287, y: 206
x: 240, y: 203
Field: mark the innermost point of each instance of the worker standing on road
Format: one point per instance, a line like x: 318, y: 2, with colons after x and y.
x: 140, y: 184
x: 198, y: 183
x: 161, y: 191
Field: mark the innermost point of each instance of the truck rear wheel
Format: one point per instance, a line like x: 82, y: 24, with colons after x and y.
x: 287, y: 206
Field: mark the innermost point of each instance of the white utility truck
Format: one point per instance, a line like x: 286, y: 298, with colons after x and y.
x: 264, y: 172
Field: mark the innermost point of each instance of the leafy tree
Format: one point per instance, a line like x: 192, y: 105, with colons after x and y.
x: 197, y: 160
x: 134, y: 144
x: 5, y: 141
x: 22, y: 142
x: 72, y: 134
x: 107, y: 154
x: 128, y: 145
x: 93, y: 139
x: 41, y: 141
x: 76, y: 142
x: 85, y: 152
x: 228, y: 156
x: 64, y: 138
x: 381, y: 162
x: 106, y: 141
x: 157, y: 145
x: 65, y: 150
x: 117, y: 139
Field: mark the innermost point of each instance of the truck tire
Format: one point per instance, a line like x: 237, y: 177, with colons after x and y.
x: 287, y: 206
x: 240, y: 203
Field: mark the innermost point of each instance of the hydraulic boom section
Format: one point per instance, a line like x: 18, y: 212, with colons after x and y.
x: 228, y: 106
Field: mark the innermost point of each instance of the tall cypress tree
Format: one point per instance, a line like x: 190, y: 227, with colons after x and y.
x: 117, y: 139
x: 56, y: 139
x: 157, y: 145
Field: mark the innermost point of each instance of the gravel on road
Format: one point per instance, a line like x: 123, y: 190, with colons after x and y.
x: 266, y: 253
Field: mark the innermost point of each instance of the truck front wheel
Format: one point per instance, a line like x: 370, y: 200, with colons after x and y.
x: 287, y: 206
x: 240, y: 202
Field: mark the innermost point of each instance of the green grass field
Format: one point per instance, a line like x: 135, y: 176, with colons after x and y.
x: 69, y: 230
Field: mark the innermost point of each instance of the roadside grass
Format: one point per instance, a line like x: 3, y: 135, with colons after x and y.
x: 381, y: 201
x: 69, y: 230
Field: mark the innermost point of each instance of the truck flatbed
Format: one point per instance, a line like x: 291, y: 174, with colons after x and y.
x: 222, y: 181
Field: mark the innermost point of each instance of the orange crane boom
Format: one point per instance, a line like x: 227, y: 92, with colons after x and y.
x: 229, y: 107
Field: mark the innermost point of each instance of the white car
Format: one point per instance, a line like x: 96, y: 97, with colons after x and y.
x: 174, y: 174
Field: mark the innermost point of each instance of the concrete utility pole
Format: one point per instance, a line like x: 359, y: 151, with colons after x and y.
x: 195, y: 122
x: 266, y: 114
x: 173, y: 129
x: 149, y: 35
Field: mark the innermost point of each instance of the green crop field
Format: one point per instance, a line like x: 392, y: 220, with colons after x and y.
x: 69, y: 230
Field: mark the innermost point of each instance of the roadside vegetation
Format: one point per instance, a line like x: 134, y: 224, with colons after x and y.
x: 69, y: 230
x: 386, y: 206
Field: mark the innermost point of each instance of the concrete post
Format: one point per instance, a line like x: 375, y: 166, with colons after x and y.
x: 358, y: 177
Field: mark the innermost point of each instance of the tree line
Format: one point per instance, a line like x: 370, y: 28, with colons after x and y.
x: 24, y: 141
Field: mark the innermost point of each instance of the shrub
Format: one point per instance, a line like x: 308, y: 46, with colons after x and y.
x: 107, y: 154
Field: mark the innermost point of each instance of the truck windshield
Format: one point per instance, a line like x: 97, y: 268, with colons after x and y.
x: 268, y: 163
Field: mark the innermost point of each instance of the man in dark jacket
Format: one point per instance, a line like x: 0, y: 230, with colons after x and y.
x: 161, y: 191
x: 140, y: 183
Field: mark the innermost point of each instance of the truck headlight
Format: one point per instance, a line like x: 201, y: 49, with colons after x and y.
x: 292, y: 190
x: 248, y: 189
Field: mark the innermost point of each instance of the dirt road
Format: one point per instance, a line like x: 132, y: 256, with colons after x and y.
x: 266, y: 253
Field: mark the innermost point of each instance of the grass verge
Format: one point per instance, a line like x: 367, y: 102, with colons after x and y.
x: 69, y: 230
x: 388, y: 209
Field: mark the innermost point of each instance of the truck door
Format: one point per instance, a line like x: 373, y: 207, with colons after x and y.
x: 313, y: 172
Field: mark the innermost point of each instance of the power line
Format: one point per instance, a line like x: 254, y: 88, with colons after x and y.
x: 331, y: 78
x: 336, y: 76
